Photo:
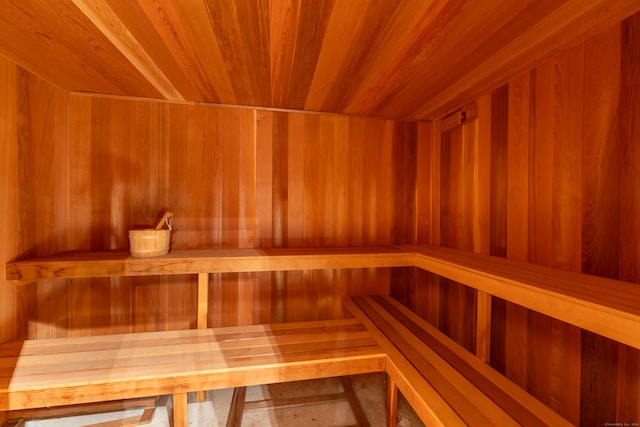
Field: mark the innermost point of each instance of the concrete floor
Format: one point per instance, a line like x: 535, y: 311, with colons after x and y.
x: 213, y: 412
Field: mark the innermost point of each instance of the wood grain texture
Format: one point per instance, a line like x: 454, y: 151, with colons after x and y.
x: 249, y: 178
x: 39, y: 373
x: 236, y: 178
x: 466, y: 386
x: 393, y: 59
x: 561, y: 157
x: 9, y: 194
x: 628, y: 387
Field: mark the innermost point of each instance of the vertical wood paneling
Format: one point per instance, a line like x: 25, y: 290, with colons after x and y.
x: 600, y: 216
x: 458, y: 311
x: 628, y: 378
x: 435, y: 184
x: 42, y: 181
x: 498, y: 188
x: 564, y: 340
x: 600, y: 236
x: 482, y: 218
x: 9, y: 196
x: 517, y: 220
x: 403, y: 213
x: 426, y: 297
x: 629, y: 135
x: 233, y: 177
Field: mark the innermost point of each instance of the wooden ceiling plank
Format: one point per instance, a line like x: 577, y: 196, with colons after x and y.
x: 55, y: 41
x: 478, y: 31
x: 103, y: 17
x: 428, y: 30
x: 253, y: 20
x: 226, y: 28
x: 197, y: 24
x: 575, y: 21
x: 399, y: 59
x: 314, y: 19
x: 168, y: 25
x: 355, y: 29
x: 397, y: 28
x: 149, y: 34
x: 284, y: 21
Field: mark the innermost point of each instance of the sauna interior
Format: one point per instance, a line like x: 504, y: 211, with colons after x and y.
x: 508, y: 128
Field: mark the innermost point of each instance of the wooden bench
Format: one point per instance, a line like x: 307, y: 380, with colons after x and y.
x: 63, y: 371
x: 450, y: 387
x: 444, y: 383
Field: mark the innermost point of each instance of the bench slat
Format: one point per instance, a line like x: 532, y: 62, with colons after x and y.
x: 145, y: 360
x: 517, y: 402
x: 196, y: 343
x: 437, y: 412
x: 471, y: 403
x: 203, y: 359
x: 423, y: 346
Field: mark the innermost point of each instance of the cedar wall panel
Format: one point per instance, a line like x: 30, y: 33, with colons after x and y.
x: 547, y: 174
x: 10, y: 111
x: 91, y: 168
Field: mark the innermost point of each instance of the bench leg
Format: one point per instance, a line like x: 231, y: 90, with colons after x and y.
x: 392, y: 402
x: 354, y: 403
x: 180, y: 412
x: 236, y: 409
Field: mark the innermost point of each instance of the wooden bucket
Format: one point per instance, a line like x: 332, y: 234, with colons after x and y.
x: 149, y: 242
x: 152, y: 242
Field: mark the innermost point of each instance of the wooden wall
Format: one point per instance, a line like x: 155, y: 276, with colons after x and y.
x: 83, y: 170
x: 9, y: 110
x: 547, y: 174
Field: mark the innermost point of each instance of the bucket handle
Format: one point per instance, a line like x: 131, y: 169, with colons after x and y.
x: 166, y: 219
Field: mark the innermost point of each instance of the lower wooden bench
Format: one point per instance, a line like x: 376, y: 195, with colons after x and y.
x: 57, y: 372
x: 444, y: 383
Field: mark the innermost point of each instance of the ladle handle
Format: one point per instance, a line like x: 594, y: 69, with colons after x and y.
x: 164, y: 220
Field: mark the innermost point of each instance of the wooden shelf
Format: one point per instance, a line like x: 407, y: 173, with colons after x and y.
x: 105, y: 264
x: 608, y: 307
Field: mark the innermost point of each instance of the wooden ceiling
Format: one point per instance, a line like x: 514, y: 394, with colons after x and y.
x: 405, y: 59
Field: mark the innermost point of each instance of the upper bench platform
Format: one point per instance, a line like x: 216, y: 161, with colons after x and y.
x: 105, y: 264
x: 608, y: 307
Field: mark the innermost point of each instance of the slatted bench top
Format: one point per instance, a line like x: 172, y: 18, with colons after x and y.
x: 442, y: 381
x: 53, y: 372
